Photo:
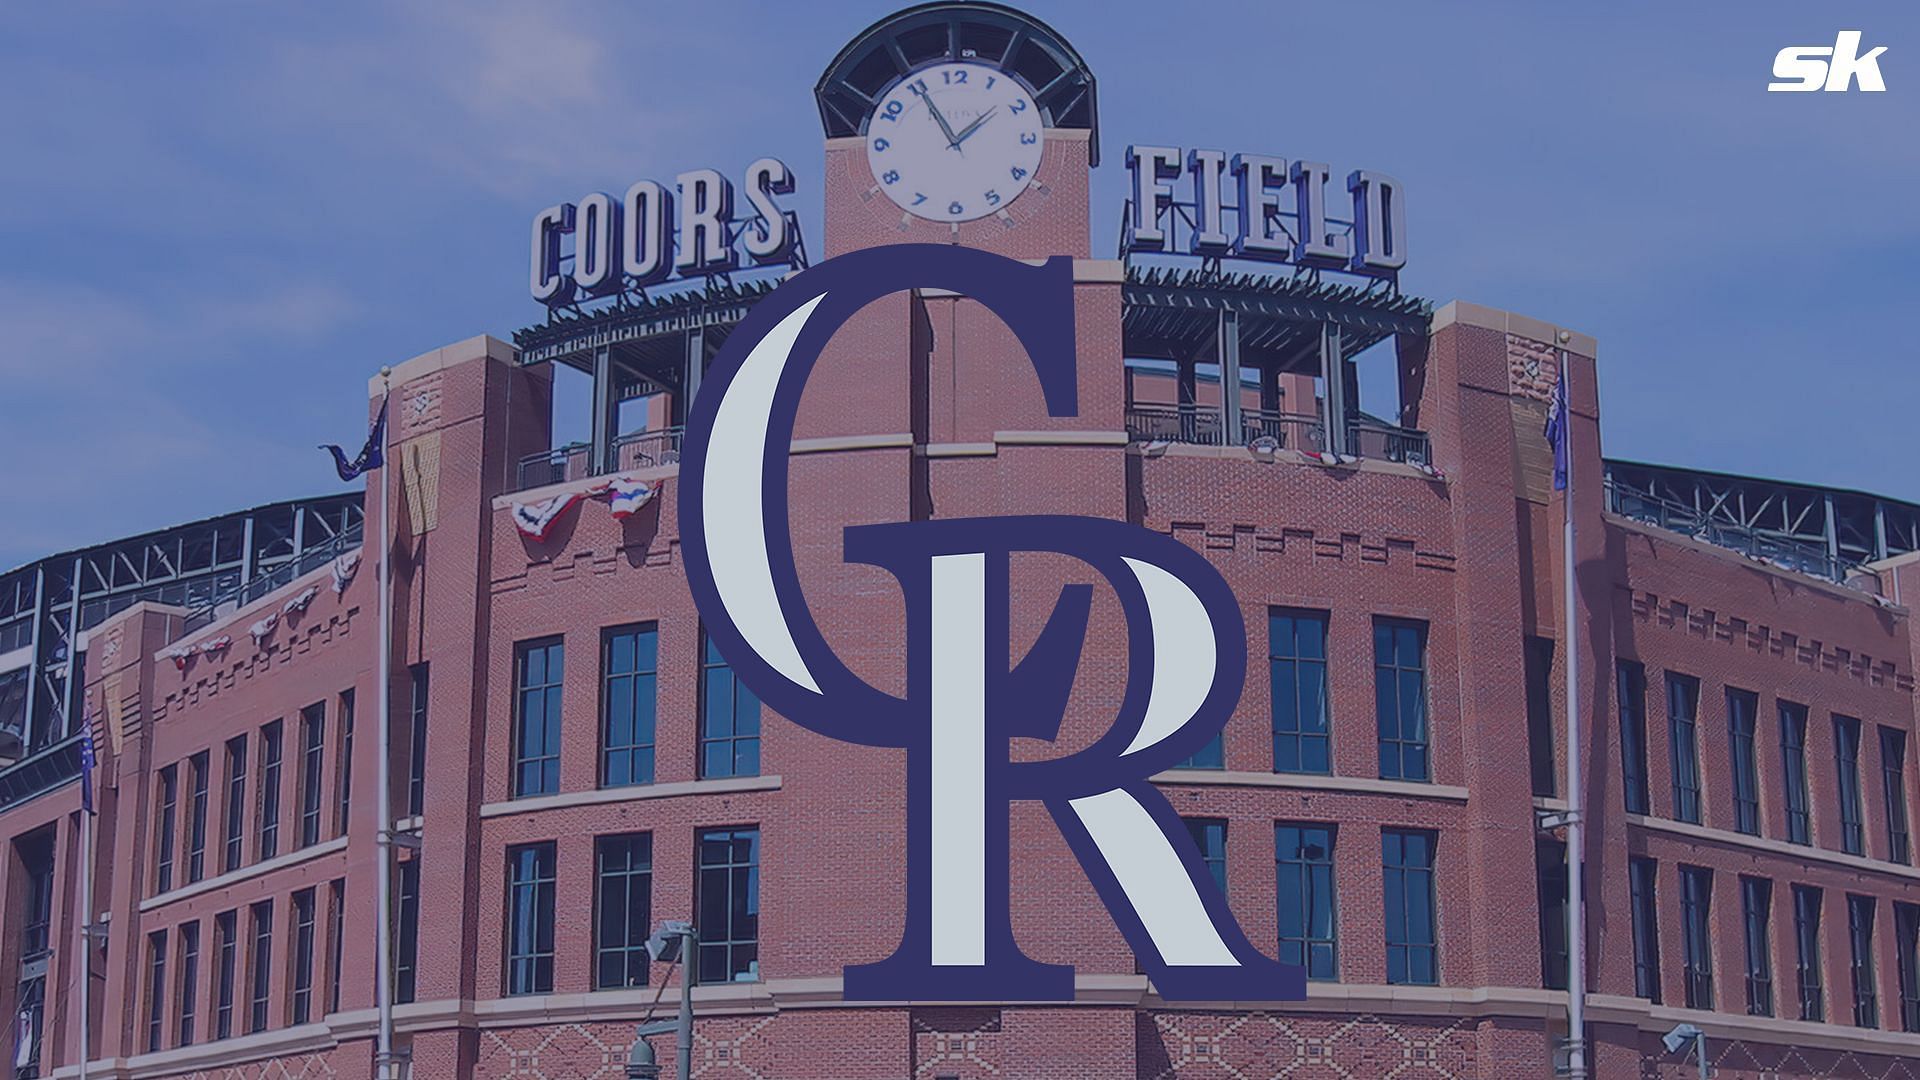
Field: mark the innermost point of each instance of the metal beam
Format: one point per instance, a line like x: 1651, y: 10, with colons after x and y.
x: 601, y: 455
x: 1333, y: 371
x: 1227, y: 347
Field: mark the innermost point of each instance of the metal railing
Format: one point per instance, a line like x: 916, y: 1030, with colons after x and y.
x: 41, y: 771
x: 575, y: 461
x: 1202, y: 425
x: 266, y: 581
x: 1687, y: 521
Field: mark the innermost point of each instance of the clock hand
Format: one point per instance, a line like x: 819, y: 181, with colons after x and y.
x: 973, y: 127
x: 945, y: 128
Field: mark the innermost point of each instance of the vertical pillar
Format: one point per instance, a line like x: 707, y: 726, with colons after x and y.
x: 1270, y: 387
x: 1187, y: 396
x: 70, y: 673
x: 246, y: 551
x: 1333, y: 375
x: 31, y: 718
x: 1879, y: 529
x: 1227, y: 344
x: 1833, y: 534
x: 696, y: 369
x: 600, y: 455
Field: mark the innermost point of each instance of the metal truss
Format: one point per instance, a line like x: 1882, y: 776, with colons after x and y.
x: 46, y: 607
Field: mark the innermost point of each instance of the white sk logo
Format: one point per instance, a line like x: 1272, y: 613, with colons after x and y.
x: 1804, y: 67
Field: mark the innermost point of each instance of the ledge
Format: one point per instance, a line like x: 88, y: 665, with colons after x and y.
x: 235, y: 877
x: 1777, y: 848
x: 1344, y: 785
x: 1688, y: 543
x: 1284, y: 457
x: 732, y: 785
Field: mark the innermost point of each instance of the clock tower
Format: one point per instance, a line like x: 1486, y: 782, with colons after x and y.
x: 959, y: 123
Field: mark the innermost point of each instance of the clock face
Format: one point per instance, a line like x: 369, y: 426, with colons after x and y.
x: 955, y: 142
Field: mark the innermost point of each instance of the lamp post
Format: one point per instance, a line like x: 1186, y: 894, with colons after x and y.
x: 673, y: 943
x: 1682, y: 1034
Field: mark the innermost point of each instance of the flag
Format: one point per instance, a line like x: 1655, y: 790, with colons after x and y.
x: 23, y: 1040
x: 628, y: 496
x: 1556, y: 431
x: 344, y: 568
x: 372, y: 455
x: 262, y: 628
x: 87, y: 761
x: 535, y: 519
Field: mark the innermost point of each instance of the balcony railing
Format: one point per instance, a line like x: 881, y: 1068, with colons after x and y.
x: 1202, y: 425
x: 241, y: 594
x: 42, y: 771
x: 575, y: 461
x: 1687, y: 521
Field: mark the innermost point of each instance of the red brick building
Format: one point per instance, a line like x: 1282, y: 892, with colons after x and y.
x: 572, y: 764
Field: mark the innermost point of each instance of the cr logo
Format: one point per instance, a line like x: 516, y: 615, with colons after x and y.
x: 964, y: 702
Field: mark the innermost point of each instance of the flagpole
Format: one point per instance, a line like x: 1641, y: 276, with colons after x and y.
x: 86, y: 933
x: 383, y: 795
x: 1576, y: 796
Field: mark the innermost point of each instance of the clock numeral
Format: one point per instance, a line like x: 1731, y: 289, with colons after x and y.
x: 1019, y: 173
x: 993, y: 198
x: 918, y: 198
x: 880, y: 145
x: 1019, y: 106
x: 990, y: 81
x: 892, y: 111
x: 955, y: 209
x: 891, y: 176
x: 920, y: 87
x: 1028, y: 138
x: 955, y: 77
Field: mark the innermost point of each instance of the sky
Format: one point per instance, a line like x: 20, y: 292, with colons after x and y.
x: 217, y: 220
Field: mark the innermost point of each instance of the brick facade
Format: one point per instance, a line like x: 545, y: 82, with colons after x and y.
x: 923, y: 406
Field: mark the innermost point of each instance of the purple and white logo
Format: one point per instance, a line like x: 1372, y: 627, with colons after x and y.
x: 964, y: 704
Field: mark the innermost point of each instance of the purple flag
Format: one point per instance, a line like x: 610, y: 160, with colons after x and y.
x: 1556, y: 432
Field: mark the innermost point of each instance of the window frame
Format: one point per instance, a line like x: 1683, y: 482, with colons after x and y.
x: 234, y: 850
x: 1304, y: 731
x: 267, y: 800
x: 1630, y: 677
x: 1866, y: 990
x: 1756, y: 918
x: 528, y: 967
x: 1643, y: 888
x: 1398, y: 744
x: 1683, y: 746
x: 186, y: 986
x: 732, y: 942
x: 642, y: 682
x: 1745, y: 758
x: 1893, y: 794
x: 1808, y: 979
x: 260, y: 966
x: 1846, y: 763
x: 544, y: 779
x: 1696, y: 935
x: 1793, y: 763
x: 1423, y: 878
x: 313, y: 766
x: 632, y: 951
x: 711, y: 664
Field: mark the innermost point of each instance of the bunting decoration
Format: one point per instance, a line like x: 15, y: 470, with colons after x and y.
x: 217, y: 645
x: 298, y: 604
x: 627, y: 496
x: 536, y: 519
x: 181, y: 656
x: 1432, y: 471
x: 344, y: 568
x: 1328, y: 457
x: 264, y: 627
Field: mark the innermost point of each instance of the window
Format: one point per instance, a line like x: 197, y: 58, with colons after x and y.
x: 1793, y: 753
x: 1412, y: 946
x: 629, y: 658
x: 1696, y: 897
x: 1641, y: 874
x: 156, y: 990
x: 1212, y: 755
x: 226, y: 945
x: 36, y: 853
x: 1893, y: 788
x: 344, y: 768
x: 313, y: 740
x: 540, y: 669
x: 1846, y: 756
x: 197, y: 816
x: 729, y: 718
x: 407, y: 934
x: 1906, y: 945
x: 1866, y: 998
x: 302, y: 1009
x: 164, y: 828
x: 336, y: 938
x: 1539, y: 676
x: 728, y: 905
x: 236, y: 809
x: 1297, y: 672
x: 1756, y: 908
x: 1400, y: 697
x: 1210, y: 836
x: 1683, y: 706
x: 262, y: 966
x: 189, y: 981
x: 417, y: 760
x: 530, y: 881
x: 1550, y: 889
x: 1806, y: 947
x: 1742, y: 706
x: 623, y: 909
x: 1633, y: 735
x: 1308, y: 932
x: 269, y: 815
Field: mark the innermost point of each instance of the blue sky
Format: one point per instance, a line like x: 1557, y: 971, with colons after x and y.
x: 217, y: 219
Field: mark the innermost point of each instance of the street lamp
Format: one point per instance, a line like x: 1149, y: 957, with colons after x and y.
x: 1682, y: 1034
x: 673, y: 943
